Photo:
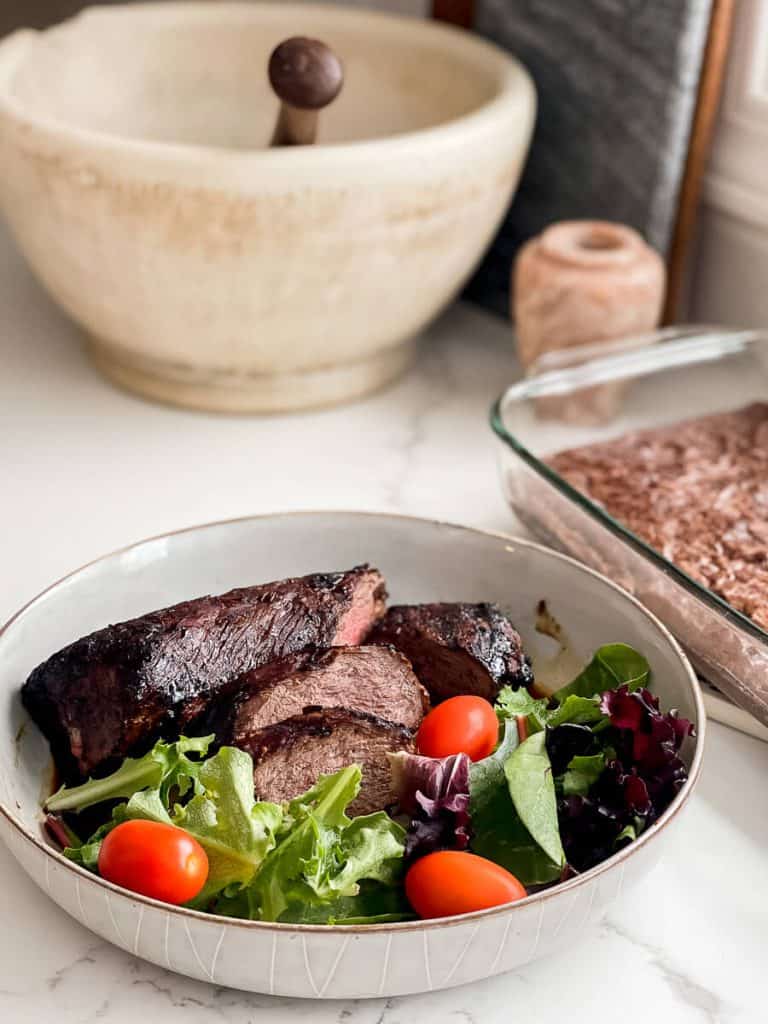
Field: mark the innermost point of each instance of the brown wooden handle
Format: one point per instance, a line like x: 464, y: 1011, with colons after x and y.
x: 306, y: 75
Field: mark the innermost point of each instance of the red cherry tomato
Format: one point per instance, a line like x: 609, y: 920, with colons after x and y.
x: 453, y: 882
x: 155, y: 860
x: 461, y: 725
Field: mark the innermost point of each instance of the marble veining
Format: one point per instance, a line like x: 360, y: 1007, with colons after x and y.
x: 696, y: 995
x: 87, y: 469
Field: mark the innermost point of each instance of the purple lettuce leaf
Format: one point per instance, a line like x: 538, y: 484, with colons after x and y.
x: 643, y: 774
x: 434, y: 793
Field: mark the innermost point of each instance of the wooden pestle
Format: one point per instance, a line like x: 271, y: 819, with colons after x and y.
x: 306, y: 75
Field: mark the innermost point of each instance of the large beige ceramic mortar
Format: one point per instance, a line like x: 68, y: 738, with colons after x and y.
x: 210, y: 271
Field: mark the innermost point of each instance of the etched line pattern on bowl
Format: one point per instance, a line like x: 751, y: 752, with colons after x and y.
x: 537, y: 937
x: 590, y: 904
x: 502, y: 945
x: 110, y: 911
x: 463, y: 952
x: 566, y: 914
x: 307, y: 966
x: 334, y: 966
x: 80, y: 905
x: 385, y: 964
x: 137, y: 936
x: 427, y: 968
x: 193, y: 947
x: 215, y: 958
x: 272, y: 962
x: 166, y: 941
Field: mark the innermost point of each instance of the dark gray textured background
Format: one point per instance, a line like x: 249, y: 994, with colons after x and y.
x: 617, y: 84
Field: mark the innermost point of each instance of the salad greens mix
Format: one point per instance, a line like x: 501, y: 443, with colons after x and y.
x: 573, y: 779
x: 584, y: 772
x: 266, y: 861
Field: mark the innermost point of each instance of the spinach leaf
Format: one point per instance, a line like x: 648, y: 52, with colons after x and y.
x: 582, y: 772
x: 487, y: 776
x: 507, y: 842
x: 612, y: 665
x: 499, y: 834
x: 532, y: 788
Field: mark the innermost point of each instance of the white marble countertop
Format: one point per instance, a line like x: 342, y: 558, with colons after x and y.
x: 86, y: 469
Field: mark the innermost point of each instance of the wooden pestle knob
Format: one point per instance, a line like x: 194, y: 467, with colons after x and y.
x: 306, y: 76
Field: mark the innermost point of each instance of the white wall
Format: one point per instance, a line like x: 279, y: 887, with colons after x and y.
x: 729, y: 282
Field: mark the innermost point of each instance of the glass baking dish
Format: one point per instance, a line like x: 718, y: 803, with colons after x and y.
x: 580, y: 396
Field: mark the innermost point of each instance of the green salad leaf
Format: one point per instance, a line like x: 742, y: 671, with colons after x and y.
x: 236, y: 832
x: 517, y: 824
x: 327, y: 800
x: 166, y: 767
x: 521, y: 704
x: 629, y: 833
x: 375, y: 903
x: 583, y: 772
x: 322, y: 854
x: 87, y: 854
x: 612, y: 665
x: 305, y: 859
x: 486, y: 777
x: 574, y: 709
x: 499, y: 833
x: 372, y: 846
x: 148, y: 804
x: 532, y: 788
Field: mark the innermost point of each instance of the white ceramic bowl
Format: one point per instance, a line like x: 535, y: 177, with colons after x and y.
x: 422, y: 561
x: 210, y: 271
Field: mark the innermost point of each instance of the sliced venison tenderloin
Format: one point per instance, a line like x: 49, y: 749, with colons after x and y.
x: 289, y: 756
x: 111, y: 693
x: 457, y: 648
x: 377, y: 680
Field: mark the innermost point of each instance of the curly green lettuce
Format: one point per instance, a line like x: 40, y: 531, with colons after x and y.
x: 303, y: 860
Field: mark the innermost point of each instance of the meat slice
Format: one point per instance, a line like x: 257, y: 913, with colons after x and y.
x: 113, y: 692
x: 289, y: 756
x: 377, y: 680
x: 457, y: 648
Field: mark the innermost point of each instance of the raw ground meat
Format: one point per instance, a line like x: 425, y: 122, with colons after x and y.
x: 697, y: 492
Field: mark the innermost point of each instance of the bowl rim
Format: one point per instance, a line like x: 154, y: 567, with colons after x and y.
x: 429, y: 924
x: 514, y: 85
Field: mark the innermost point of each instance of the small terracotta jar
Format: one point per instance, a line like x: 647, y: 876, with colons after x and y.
x: 581, y: 282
